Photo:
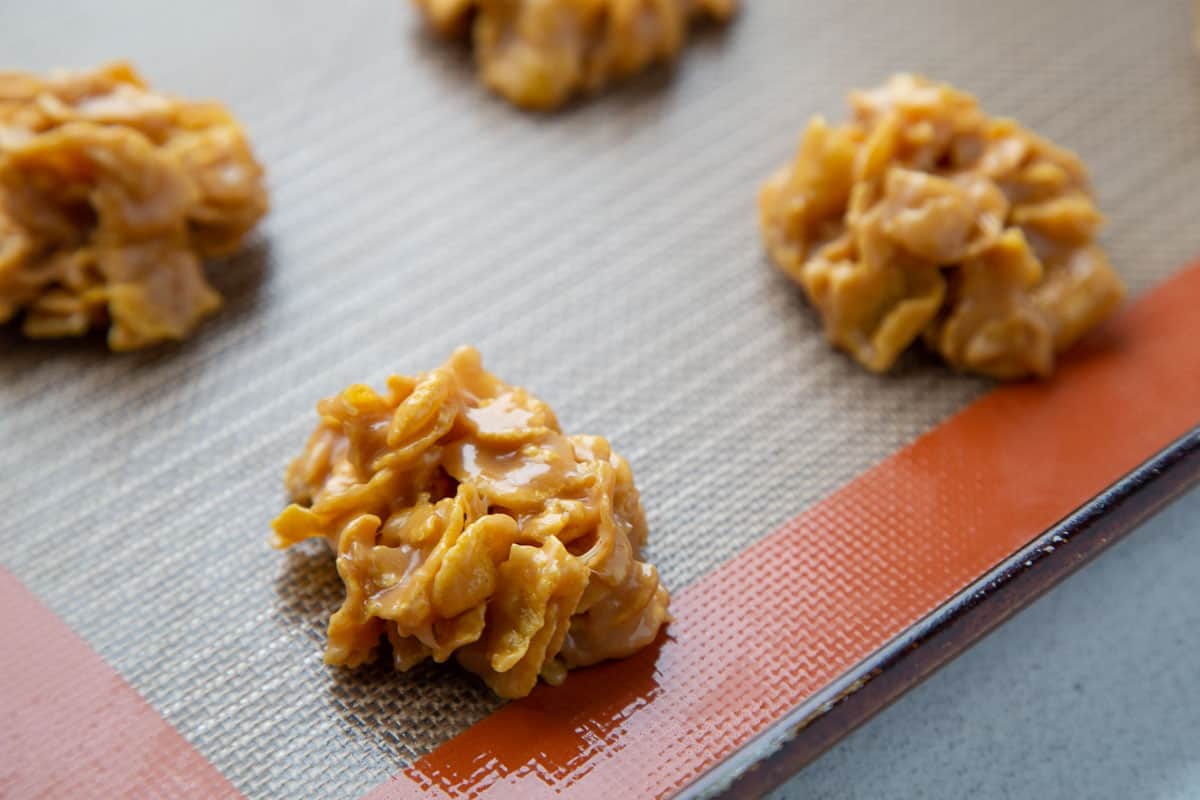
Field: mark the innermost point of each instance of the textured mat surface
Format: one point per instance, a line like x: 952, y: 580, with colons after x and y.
x: 607, y: 258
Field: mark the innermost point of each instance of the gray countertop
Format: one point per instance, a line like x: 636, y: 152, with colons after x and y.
x: 1089, y: 693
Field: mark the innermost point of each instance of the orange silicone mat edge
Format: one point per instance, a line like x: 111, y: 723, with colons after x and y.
x: 766, y: 630
x: 73, y: 727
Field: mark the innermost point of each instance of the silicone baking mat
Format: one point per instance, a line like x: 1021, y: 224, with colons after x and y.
x: 607, y: 258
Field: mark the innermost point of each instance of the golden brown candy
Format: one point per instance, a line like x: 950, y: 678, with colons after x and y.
x: 923, y: 218
x: 110, y: 194
x: 467, y: 524
x: 539, y: 53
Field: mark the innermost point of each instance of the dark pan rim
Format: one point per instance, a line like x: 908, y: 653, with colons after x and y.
x: 801, y: 735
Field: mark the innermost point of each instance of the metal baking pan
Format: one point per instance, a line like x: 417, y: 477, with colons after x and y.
x: 830, y: 536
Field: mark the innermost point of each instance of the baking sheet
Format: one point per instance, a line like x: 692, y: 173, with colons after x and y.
x: 606, y: 257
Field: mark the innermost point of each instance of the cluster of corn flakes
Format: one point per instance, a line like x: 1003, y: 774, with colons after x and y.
x: 540, y: 53
x: 467, y: 524
x: 110, y: 195
x: 922, y: 217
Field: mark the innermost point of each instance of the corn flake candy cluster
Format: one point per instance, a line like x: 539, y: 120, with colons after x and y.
x: 110, y: 196
x: 467, y: 525
x: 539, y: 54
x: 923, y: 218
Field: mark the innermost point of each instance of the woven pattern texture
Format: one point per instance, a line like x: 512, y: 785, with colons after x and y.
x: 607, y: 258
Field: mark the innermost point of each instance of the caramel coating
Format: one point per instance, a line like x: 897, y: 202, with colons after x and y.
x: 466, y: 523
x: 540, y: 53
x: 922, y: 217
x: 110, y: 194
